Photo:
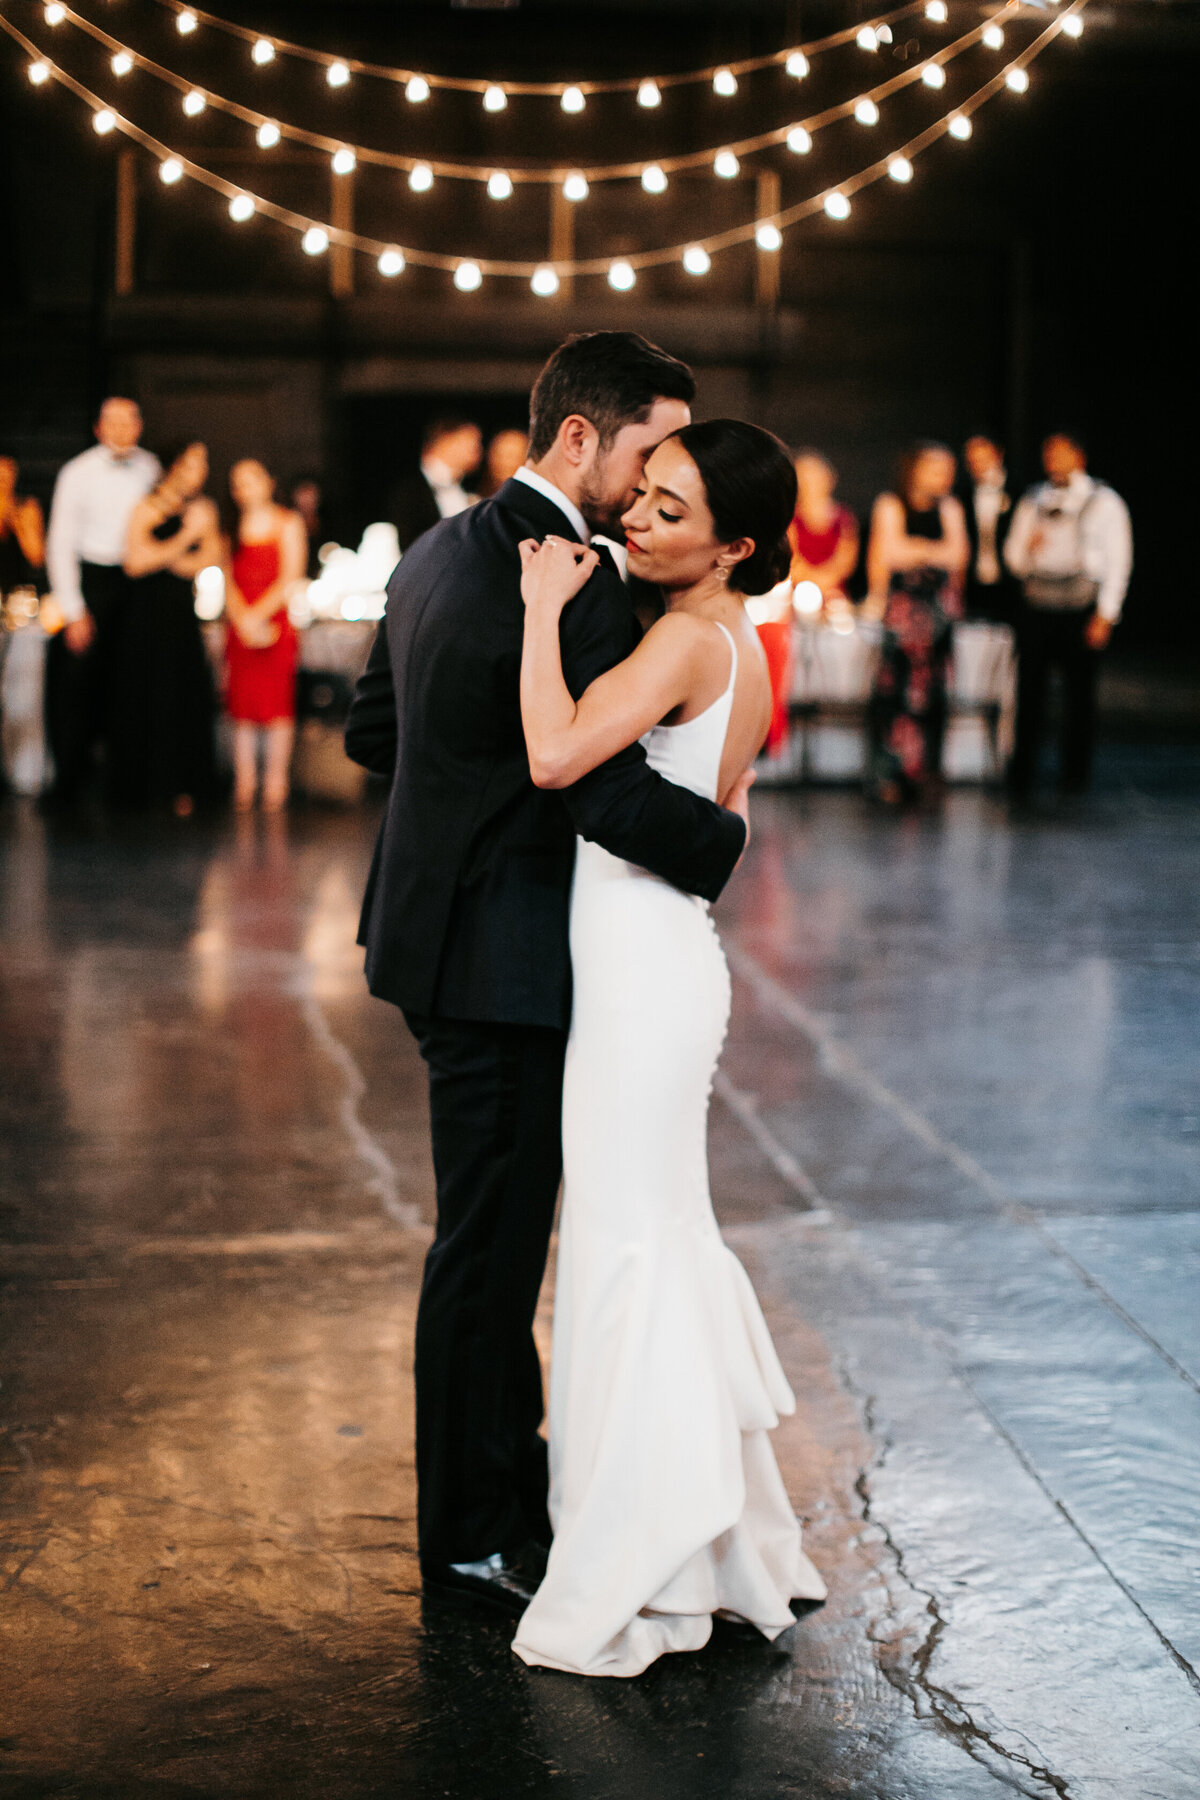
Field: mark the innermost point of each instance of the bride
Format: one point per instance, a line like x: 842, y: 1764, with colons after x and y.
x: 665, y: 1497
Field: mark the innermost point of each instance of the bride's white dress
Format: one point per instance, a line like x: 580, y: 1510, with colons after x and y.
x: 665, y: 1497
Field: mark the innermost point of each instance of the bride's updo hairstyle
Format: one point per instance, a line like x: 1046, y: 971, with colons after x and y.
x: 750, y: 486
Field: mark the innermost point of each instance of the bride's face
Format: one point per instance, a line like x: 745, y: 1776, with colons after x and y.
x: 669, y: 529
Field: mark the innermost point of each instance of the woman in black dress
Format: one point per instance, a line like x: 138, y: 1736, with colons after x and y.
x: 164, y: 708
x: 916, y: 559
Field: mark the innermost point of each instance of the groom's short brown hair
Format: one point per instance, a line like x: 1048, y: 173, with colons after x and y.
x: 611, y: 378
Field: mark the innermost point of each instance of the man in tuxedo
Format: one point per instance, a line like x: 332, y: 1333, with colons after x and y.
x: 465, y: 924
x: 452, y: 449
x: 987, y: 507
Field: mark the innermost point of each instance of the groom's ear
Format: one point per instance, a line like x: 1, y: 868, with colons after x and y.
x: 577, y: 438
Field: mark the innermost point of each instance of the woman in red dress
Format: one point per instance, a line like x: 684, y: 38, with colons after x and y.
x: 824, y: 534
x: 270, y: 554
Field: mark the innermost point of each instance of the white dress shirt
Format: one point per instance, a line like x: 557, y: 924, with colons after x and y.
x: 449, y: 493
x: 548, y: 491
x: 1098, y: 538
x: 94, y: 498
x: 990, y: 501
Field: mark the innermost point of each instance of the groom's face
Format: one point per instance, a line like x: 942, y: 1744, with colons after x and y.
x: 608, y: 488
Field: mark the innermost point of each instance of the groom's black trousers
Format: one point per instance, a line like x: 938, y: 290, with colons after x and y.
x: 495, y: 1094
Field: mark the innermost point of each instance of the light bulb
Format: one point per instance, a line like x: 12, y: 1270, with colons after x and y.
x: 649, y: 94
x: 900, y: 169
x: 499, y: 185
x: 241, y: 208
x: 544, y: 282
x: 467, y: 277
x: 726, y: 165
x: 421, y: 178
x: 696, y: 260
x: 391, y: 262
x: 768, y: 236
x: 575, y: 187
x: 1017, y: 80
x: 121, y: 63
x: 416, y: 90
x: 194, y: 103
x: 960, y: 127
x: 573, y: 100
x: 866, y: 39
x: 654, y: 179
x: 797, y: 65
x: 884, y: 33
x: 103, y: 121
x: 807, y: 598
x: 938, y: 11
x: 337, y: 74
x: 54, y: 13
x: 267, y: 135
x: 186, y: 22
x: 799, y: 141
x: 933, y: 75
x: 344, y: 161
x: 866, y: 112
x: 621, y: 276
x: 725, y: 83
x: 837, y: 205
x: 39, y: 72
x: 993, y: 37
x: 495, y: 100
x: 315, y: 242
x: 170, y: 171
x: 263, y: 51
x: 1073, y: 25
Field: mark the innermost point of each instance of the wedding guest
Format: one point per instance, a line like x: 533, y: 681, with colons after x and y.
x: 1071, y: 548
x: 94, y: 498
x: 269, y: 555
x: 452, y: 450
x: 506, y: 453
x: 305, y: 496
x: 823, y: 534
x: 161, y: 747
x: 987, y: 507
x: 22, y: 537
x: 916, y: 560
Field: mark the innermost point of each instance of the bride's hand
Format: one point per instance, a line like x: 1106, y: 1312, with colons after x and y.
x: 554, y: 571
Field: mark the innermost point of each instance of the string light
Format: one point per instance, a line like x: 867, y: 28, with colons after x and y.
x: 544, y: 282
x: 315, y: 241
x: 391, y: 262
x: 495, y: 100
x: 938, y: 11
x: 267, y: 135
x: 900, y: 169
x: 194, y: 103
x: 121, y: 63
x: 416, y: 90
x: 337, y: 74
x: 696, y: 260
x: 185, y: 23
x: 54, y: 14
x: 797, y: 65
x: 866, y: 112
x: 241, y: 208
x: 726, y: 165
x: 622, y: 277
x: 263, y: 52
x: 344, y: 161
x: 654, y: 179
x: 993, y: 38
x: 649, y: 94
x: 421, y: 178
x: 960, y: 127
x: 103, y: 121
x: 170, y: 171
x: 884, y: 33
x: 573, y: 100
x: 467, y: 277
x: 39, y: 72
x: 768, y: 236
x: 837, y: 205
x: 933, y: 75
x: 1073, y: 25
x: 575, y: 187
x: 499, y: 185
x: 799, y: 141
x: 725, y: 83
x: 867, y: 39
x: 1017, y: 80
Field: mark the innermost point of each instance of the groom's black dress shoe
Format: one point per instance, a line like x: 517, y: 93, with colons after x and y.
x: 506, y: 1581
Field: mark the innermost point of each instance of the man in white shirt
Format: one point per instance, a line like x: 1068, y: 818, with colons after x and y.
x: 1071, y: 548
x: 94, y: 498
x: 452, y: 450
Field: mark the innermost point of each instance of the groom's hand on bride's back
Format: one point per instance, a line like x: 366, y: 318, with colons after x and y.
x: 737, y: 800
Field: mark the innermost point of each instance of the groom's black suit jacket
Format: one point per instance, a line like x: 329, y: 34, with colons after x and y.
x: 465, y: 914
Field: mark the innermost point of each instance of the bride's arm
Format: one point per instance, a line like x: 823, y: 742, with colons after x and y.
x: 566, y: 738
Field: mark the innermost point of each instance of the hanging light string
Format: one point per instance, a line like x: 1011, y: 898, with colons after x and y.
x: 550, y: 89
x: 929, y: 69
x: 621, y: 272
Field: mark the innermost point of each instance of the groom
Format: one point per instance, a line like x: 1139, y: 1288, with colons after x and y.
x: 465, y: 924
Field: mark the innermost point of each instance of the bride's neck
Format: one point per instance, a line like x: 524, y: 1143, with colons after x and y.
x: 701, y: 596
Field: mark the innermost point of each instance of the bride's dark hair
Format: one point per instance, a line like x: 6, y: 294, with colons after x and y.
x: 750, y: 486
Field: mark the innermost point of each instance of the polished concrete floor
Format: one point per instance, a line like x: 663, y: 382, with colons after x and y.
x: 955, y: 1142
